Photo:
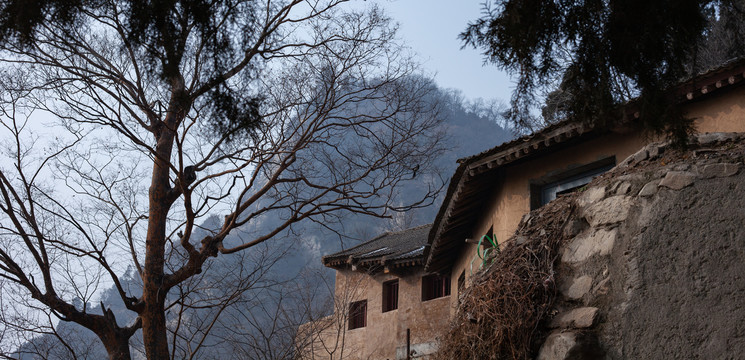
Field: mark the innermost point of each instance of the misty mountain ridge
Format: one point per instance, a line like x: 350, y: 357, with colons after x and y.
x: 286, y: 271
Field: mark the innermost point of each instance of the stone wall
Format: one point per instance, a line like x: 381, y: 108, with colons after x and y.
x: 655, y: 268
x: 510, y: 199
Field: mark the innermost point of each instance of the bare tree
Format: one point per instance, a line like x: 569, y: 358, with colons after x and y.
x: 236, y: 309
x: 324, y: 334
x: 313, y: 112
x: 725, y: 38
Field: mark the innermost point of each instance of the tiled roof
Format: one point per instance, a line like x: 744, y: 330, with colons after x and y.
x: 390, y: 250
x: 478, y: 173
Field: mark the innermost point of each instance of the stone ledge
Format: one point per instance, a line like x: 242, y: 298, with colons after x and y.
x: 581, y: 248
x: 718, y: 170
x: 716, y: 137
x: 611, y: 210
x: 677, y: 180
x: 565, y: 345
x: 591, y: 196
x: 580, y: 318
x: 558, y: 346
x: 649, y: 189
x: 577, y: 288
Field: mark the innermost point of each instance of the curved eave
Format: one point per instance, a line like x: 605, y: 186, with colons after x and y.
x: 471, y: 187
x: 376, y: 265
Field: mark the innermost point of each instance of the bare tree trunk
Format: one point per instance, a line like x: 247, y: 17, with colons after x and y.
x: 117, y: 348
x: 304, y: 143
x: 153, y: 315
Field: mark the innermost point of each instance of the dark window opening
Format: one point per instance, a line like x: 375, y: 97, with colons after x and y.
x: 461, y: 283
x: 569, y: 190
x: 549, y: 188
x: 435, y: 286
x: 390, y: 295
x: 357, y: 314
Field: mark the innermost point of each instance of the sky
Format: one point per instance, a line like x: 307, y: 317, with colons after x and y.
x: 431, y: 28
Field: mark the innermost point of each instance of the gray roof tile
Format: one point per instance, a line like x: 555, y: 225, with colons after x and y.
x: 402, y: 248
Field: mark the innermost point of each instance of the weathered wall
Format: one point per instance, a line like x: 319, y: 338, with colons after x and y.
x: 511, y: 198
x: 384, y: 337
x: 511, y: 201
x: 656, y: 269
x: 724, y: 113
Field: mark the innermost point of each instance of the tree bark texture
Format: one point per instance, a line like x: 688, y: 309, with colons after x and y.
x: 154, y: 330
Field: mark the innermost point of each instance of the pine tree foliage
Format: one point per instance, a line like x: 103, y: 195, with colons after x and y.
x: 164, y: 32
x: 164, y: 112
x: 599, y: 53
x: 19, y: 19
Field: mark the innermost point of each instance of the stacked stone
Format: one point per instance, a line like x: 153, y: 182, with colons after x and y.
x: 603, y: 207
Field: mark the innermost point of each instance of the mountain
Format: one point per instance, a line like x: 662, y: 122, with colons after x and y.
x: 249, y: 304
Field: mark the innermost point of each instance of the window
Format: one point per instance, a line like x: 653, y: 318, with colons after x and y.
x: 461, y: 282
x: 357, y: 314
x: 549, y: 187
x: 435, y: 286
x: 390, y: 295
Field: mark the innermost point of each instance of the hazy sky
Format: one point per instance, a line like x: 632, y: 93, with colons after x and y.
x: 431, y: 28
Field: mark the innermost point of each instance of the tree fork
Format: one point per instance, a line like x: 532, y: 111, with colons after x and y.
x: 114, y: 338
x: 116, y: 344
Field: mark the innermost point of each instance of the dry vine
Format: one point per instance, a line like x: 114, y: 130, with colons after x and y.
x: 501, y: 314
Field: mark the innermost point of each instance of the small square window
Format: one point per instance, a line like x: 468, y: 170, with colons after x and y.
x: 390, y: 295
x: 357, y: 314
x: 435, y: 286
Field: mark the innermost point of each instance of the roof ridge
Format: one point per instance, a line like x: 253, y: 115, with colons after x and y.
x: 409, y: 229
x: 388, y: 233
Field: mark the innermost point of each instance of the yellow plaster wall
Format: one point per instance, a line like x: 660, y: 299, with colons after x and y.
x: 386, y: 331
x: 725, y: 113
x: 510, y: 202
x: 511, y: 198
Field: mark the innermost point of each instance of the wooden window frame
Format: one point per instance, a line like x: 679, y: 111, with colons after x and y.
x: 435, y: 286
x: 390, y: 295
x: 587, y: 171
x: 461, y: 283
x: 357, y: 314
